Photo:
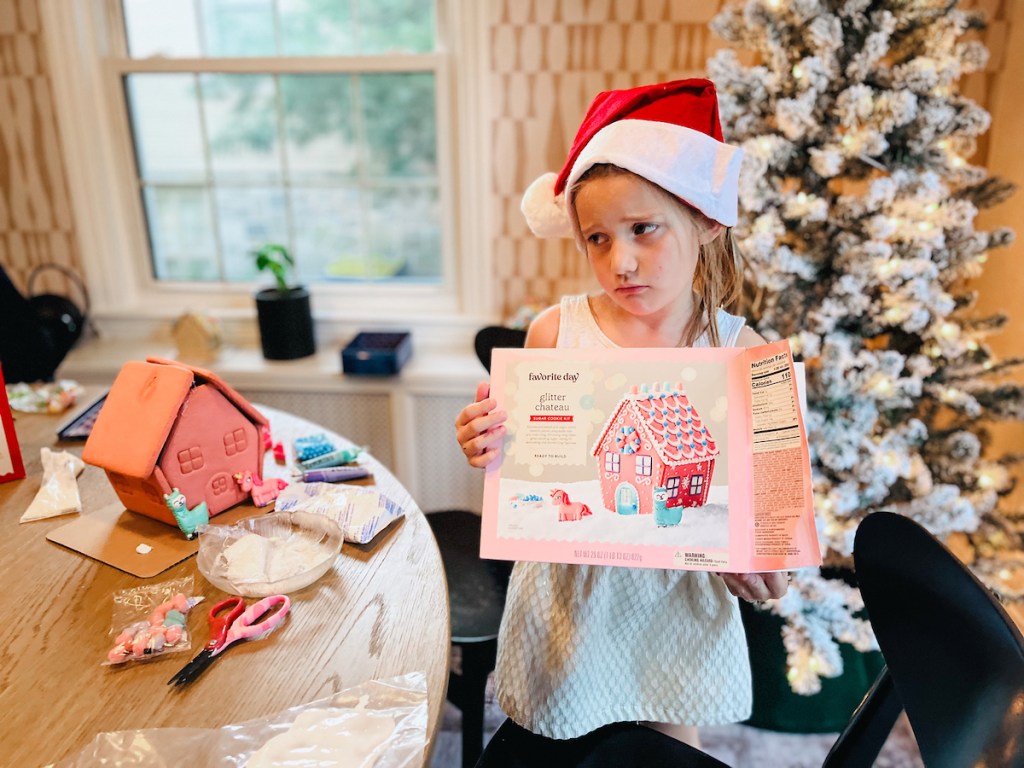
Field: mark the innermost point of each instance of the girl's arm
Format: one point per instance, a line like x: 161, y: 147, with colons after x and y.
x: 749, y: 338
x: 543, y: 331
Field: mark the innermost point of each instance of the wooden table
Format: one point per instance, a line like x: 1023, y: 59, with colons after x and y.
x: 381, y: 612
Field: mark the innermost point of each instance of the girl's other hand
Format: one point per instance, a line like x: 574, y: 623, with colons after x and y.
x: 480, y: 429
x: 755, y: 587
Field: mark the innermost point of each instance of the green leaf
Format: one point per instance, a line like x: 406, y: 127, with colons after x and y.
x: 275, y: 258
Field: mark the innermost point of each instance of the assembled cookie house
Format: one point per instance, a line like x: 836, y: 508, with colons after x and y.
x: 654, y: 438
x: 167, y: 425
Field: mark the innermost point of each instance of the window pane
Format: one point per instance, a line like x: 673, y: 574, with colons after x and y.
x: 165, y: 121
x: 328, y: 225
x: 249, y: 218
x: 238, y: 27
x: 396, y: 26
x: 342, y: 167
x: 319, y: 132
x: 181, y: 233
x: 161, y: 28
x: 400, y: 124
x: 404, y: 233
x: 317, y: 28
x: 242, y: 123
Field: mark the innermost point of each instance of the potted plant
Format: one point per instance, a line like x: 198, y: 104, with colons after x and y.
x: 284, y: 314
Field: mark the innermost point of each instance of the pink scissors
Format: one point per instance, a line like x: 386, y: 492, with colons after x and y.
x: 237, y: 623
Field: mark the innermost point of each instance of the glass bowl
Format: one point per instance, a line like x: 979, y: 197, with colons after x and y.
x: 269, y: 554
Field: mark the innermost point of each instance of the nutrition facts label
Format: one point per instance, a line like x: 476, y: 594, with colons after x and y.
x: 775, y: 420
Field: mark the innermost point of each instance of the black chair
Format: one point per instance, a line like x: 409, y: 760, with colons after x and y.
x: 476, y: 598
x: 492, y: 336
x: 476, y: 588
x: 954, y: 663
x: 955, y: 657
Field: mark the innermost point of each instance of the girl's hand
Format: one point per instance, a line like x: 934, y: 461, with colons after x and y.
x: 480, y: 429
x: 755, y: 587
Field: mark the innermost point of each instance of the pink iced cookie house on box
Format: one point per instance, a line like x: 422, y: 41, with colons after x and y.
x: 654, y: 439
x: 167, y: 425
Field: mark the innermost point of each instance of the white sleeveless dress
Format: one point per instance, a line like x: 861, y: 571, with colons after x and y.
x: 582, y: 646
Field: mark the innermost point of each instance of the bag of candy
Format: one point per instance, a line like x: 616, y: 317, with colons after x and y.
x: 151, y: 621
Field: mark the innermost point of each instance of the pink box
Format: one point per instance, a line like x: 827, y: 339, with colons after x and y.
x: 654, y: 458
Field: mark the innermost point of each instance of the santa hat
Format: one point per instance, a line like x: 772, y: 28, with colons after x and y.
x: 668, y: 133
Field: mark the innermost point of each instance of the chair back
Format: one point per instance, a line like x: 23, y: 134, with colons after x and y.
x: 492, y: 336
x: 955, y: 656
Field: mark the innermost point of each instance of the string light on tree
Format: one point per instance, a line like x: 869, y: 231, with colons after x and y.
x: 858, y: 201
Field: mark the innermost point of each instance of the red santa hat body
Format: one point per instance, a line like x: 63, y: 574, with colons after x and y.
x: 668, y: 133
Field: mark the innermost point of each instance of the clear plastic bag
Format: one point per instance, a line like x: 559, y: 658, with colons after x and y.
x: 362, y: 513
x: 151, y: 621
x: 396, y: 708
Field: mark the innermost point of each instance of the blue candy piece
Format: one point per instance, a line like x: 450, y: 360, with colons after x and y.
x: 311, y: 446
x: 174, y: 617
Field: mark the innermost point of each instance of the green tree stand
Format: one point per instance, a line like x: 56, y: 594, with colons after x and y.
x: 776, y: 706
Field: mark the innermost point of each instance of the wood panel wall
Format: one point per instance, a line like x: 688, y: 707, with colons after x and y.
x: 547, y: 60
x: 36, y: 225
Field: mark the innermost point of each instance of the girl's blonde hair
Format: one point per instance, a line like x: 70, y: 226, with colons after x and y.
x: 718, y: 279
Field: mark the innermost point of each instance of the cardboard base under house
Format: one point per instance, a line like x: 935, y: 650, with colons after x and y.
x: 112, y: 534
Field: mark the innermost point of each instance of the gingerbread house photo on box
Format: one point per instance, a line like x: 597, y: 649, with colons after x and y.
x: 655, y: 455
x: 169, y: 430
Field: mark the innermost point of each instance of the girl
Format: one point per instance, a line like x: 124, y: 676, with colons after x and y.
x: 648, y: 191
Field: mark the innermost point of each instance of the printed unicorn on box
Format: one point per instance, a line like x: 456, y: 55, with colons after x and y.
x: 567, y: 508
x: 655, y: 439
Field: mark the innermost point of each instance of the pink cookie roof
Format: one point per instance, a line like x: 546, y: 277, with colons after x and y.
x: 667, y: 420
x: 142, y: 407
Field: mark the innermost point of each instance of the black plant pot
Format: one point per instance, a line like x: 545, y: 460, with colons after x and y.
x: 286, y: 323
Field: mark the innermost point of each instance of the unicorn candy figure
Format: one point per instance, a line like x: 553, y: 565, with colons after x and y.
x: 568, y: 509
x: 262, y: 491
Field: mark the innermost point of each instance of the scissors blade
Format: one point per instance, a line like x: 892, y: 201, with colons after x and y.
x: 184, y: 671
x: 195, y: 668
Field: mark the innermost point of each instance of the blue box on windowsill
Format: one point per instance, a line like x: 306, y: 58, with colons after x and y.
x: 376, y: 354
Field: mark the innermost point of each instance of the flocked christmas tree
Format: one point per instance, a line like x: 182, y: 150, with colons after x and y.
x: 857, y: 215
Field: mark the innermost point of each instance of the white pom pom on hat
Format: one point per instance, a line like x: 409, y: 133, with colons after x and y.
x: 668, y: 133
x: 544, y: 210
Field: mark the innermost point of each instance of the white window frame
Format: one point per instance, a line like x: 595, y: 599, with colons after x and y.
x: 127, y: 301
x: 697, y: 480
x: 672, y: 486
x: 612, y: 462
x: 644, y: 465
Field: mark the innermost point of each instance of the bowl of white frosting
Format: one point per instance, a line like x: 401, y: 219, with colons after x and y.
x: 270, y: 554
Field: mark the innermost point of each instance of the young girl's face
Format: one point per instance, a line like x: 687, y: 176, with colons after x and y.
x: 642, y: 247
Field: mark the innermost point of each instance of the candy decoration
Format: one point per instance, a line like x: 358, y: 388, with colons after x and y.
x: 164, y: 629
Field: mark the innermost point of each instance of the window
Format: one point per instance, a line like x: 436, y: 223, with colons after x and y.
x: 338, y: 164
x: 197, y: 130
x: 220, y: 484
x: 673, y: 487
x: 190, y: 460
x: 235, y: 442
x: 644, y: 465
x: 696, y: 484
x: 611, y: 462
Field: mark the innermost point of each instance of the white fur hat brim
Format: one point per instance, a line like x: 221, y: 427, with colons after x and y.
x: 689, y: 164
